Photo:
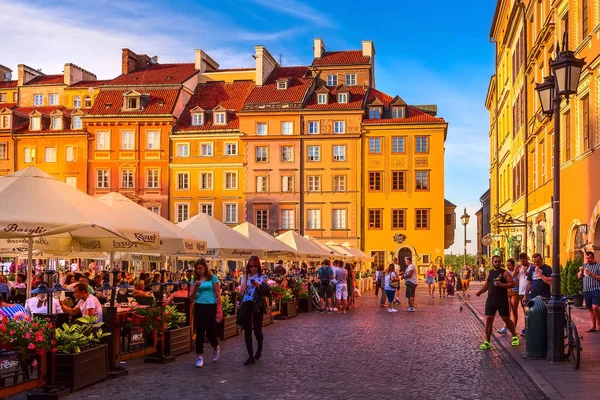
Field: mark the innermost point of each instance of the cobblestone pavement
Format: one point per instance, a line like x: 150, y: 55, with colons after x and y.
x: 365, y: 354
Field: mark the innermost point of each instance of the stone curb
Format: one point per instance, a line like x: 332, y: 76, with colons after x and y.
x: 538, y: 380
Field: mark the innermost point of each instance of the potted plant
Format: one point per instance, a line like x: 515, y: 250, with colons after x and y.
x: 178, y: 335
x: 304, y: 303
x: 576, y: 284
x: 288, y: 304
x: 227, y: 328
x: 81, y: 359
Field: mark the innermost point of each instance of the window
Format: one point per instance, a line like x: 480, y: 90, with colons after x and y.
x: 342, y: 97
x: 87, y: 102
x: 287, y: 128
x: 71, y: 181
x: 53, y: 99
x: 3, y: 151
x: 206, y: 149
x: 339, y: 218
x: 426, y: 259
x: 231, y: 180
x: 375, y: 219
x: 543, y: 161
x: 375, y: 145
x: 183, y: 181
x: 398, y: 219
x: 567, y: 136
x: 4, y: 121
x: 77, y: 102
x: 50, y: 154
x: 127, y: 179
x: 339, y: 153
x: 314, y: 219
x: 287, y: 219
x: 322, y: 98
x: 261, y: 128
x: 397, y: 112
x: 534, y: 168
x: 332, y: 80
x: 152, y: 178
x: 77, y: 124
x: 206, y: 180
x: 182, y: 210
x: 350, y: 79
x: 422, y: 180
x: 584, y: 19
x: 282, y: 84
x: 36, y: 123
x: 375, y: 181
x: 70, y: 154
x: 231, y: 149
x: 422, y: 218
x: 585, y: 122
x: 261, y: 219
x: 197, y: 119
x: 374, y: 112
x: 314, y: 153
x: 183, y: 149
x: 102, y: 178
x: 261, y: 153
x: 421, y: 144
x: 29, y: 154
x: 219, y: 118
x: 206, y: 208
x: 38, y: 99
x: 103, y: 141
x: 231, y: 213
x: 398, y: 179
x: 15, y: 97
x: 154, y: 140
x: 398, y: 145
x: 339, y: 183
x: 339, y: 127
x: 287, y: 153
x: 56, y: 123
x: 2, y: 97
x: 314, y: 183
x: 132, y: 103
x: 287, y: 183
x: 127, y: 140
x: 262, y: 183
x: 313, y: 127
x: 154, y: 209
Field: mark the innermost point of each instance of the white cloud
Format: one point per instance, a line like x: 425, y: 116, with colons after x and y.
x: 299, y: 10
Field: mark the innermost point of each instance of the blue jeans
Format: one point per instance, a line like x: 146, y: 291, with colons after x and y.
x: 390, y: 295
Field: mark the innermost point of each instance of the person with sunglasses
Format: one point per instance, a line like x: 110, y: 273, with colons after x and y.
x: 252, y: 308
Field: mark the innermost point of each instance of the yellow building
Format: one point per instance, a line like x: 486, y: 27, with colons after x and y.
x: 521, y: 138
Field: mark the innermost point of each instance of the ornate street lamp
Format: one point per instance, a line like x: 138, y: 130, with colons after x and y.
x: 566, y: 71
x: 464, y: 219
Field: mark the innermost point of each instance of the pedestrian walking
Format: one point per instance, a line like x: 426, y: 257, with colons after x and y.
x: 481, y: 272
x: 206, y: 295
x: 465, y: 277
x: 411, y: 281
x: 379, y: 274
x: 513, y: 294
x: 450, y: 281
x: 590, y: 273
x: 524, y: 266
x: 350, y: 282
x: 252, y: 309
x: 392, y: 283
x: 398, y: 270
x: 441, y: 280
x: 341, y: 288
x: 430, y: 279
x: 325, y: 274
x: 497, y: 284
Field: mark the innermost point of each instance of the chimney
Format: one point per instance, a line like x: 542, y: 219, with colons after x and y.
x: 67, y: 75
x: 265, y: 64
x: 203, y: 62
x: 131, y: 61
x: 368, y: 49
x: 25, y: 74
x: 74, y: 73
x: 318, y: 47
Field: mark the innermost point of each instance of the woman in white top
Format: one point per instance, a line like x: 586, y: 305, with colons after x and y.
x: 36, y: 305
x: 392, y: 282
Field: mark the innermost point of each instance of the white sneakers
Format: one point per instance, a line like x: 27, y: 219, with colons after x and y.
x: 392, y: 310
x: 199, y: 362
x: 216, y: 353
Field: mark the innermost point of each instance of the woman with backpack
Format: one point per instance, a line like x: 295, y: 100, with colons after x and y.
x: 392, y: 283
x: 252, y: 309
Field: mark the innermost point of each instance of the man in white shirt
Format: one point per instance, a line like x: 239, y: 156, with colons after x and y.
x: 87, y: 305
x: 410, y: 281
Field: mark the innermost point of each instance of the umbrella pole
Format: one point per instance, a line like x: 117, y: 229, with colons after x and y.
x: 29, y: 270
x: 112, y: 259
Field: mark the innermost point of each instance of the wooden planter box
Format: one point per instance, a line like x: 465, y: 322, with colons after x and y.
x: 76, y: 371
x: 16, y: 378
x: 289, y: 309
x: 268, y: 318
x: 227, y: 328
x: 305, y: 305
x: 178, y: 341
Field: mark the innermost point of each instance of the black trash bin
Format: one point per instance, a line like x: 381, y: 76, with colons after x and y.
x: 536, y: 328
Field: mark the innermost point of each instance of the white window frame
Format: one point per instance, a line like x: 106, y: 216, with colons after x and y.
x: 76, y: 122
x: 219, y: 118
x: 209, y: 181
x: 103, y: 182
x: 231, y: 149
x: 311, y: 126
x: 227, y: 176
x: 50, y: 154
x: 153, y: 140
x: 132, y: 102
x: 316, y: 156
x: 87, y: 102
x: 397, y: 112
x: 197, y: 119
x: 339, y: 126
x: 332, y: 80
x: 70, y: 155
x: 128, y: 178
x: 321, y: 98
x: 178, y: 183
x: 182, y: 146
x: 339, y: 183
x: 77, y: 102
x: 3, y: 151
x: 72, y: 183
x: 287, y: 183
x: 262, y: 129
x: 36, y: 123
x: 53, y: 99
x: 103, y: 140
x: 313, y: 183
x: 154, y: 209
x: 5, y: 121
x: 29, y: 155
x: 289, y: 221
x: 262, y: 183
x: 152, y: 182
x: 339, y: 217
x: 343, y: 98
x: 204, y: 207
x: 56, y: 123
x: 38, y: 100
x: 339, y: 152
x: 2, y: 97
x: 182, y: 210
x: 287, y: 128
x: 350, y: 79
x: 281, y: 84
x: 226, y: 213
x: 207, y: 149
x: 127, y: 140
x: 291, y: 154
x: 313, y: 218
x: 256, y: 154
x: 263, y: 224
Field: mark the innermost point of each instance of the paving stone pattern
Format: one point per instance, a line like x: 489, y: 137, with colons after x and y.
x: 366, y: 354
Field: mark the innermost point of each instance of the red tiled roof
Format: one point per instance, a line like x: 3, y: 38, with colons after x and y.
x: 87, y: 84
x: 357, y: 96
x: 386, y: 99
x: 8, y: 84
x: 44, y: 110
x: 414, y: 116
x: 47, y: 80
x: 232, y: 69
x: 23, y: 126
x: 341, y: 58
x: 209, y: 96
x: 7, y: 105
x: 154, y: 102
x: 268, y: 94
x: 156, y: 74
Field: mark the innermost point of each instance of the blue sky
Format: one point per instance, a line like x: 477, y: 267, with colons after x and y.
x: 439, y: 53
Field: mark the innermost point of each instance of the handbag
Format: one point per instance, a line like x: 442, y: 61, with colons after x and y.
x: 394, y: 284
x: 241, y: 316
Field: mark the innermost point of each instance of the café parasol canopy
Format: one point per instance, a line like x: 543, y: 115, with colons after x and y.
x: 274, y: 249
x: 221, y: 241
x: 303, y: 247
x: 333, y: 253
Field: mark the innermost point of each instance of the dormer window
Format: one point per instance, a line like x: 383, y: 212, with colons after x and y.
x: 197, y: 119
x: 398, y: 112
x: 374, y: 112
x: 322, y: 98
x: 342, y: 97
x: 219, y: 118
x: 36, y: 123
x: 56, y: 123
x: 4, y: 121
x: 282, y: 84
x: 77, y: 124
x: 132, y: 101
x: 87, y: 102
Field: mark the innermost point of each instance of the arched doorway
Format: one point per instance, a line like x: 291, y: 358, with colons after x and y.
x: 403, y: 252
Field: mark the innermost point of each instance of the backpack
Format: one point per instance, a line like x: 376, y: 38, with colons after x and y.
x: 325, y: 275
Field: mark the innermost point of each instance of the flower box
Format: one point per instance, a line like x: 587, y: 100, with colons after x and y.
x: 76, y: 371
x: 288, y: 310
x: 178, y: 341
x: 267, y: 318
x: 228, y: 327
x: 305, y: 305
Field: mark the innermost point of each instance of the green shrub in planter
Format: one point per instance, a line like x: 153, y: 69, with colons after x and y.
x: 304, y: 295
x: 72, y: 339
x: 227, y: 305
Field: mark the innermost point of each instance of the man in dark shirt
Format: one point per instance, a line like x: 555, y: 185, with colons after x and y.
x: 539, y: 279
x: 441, y: 280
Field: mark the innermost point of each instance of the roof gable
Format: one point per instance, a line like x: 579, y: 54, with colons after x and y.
x: 268, y: 97
x: 345, y: 57
x: 398, y: 101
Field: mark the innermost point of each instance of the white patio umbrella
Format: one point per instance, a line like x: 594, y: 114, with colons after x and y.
x: 333, y: 253
x: 303, y: 247
x: 221, y: 241
x: 274, y: 249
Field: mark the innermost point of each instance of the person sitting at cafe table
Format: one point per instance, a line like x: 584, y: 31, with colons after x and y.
x: 10, y: 309
x: 85, y: 280
x: 88, y: 304
x: 182, y: 292
x: 138, y: 290
x: 39, y: 305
